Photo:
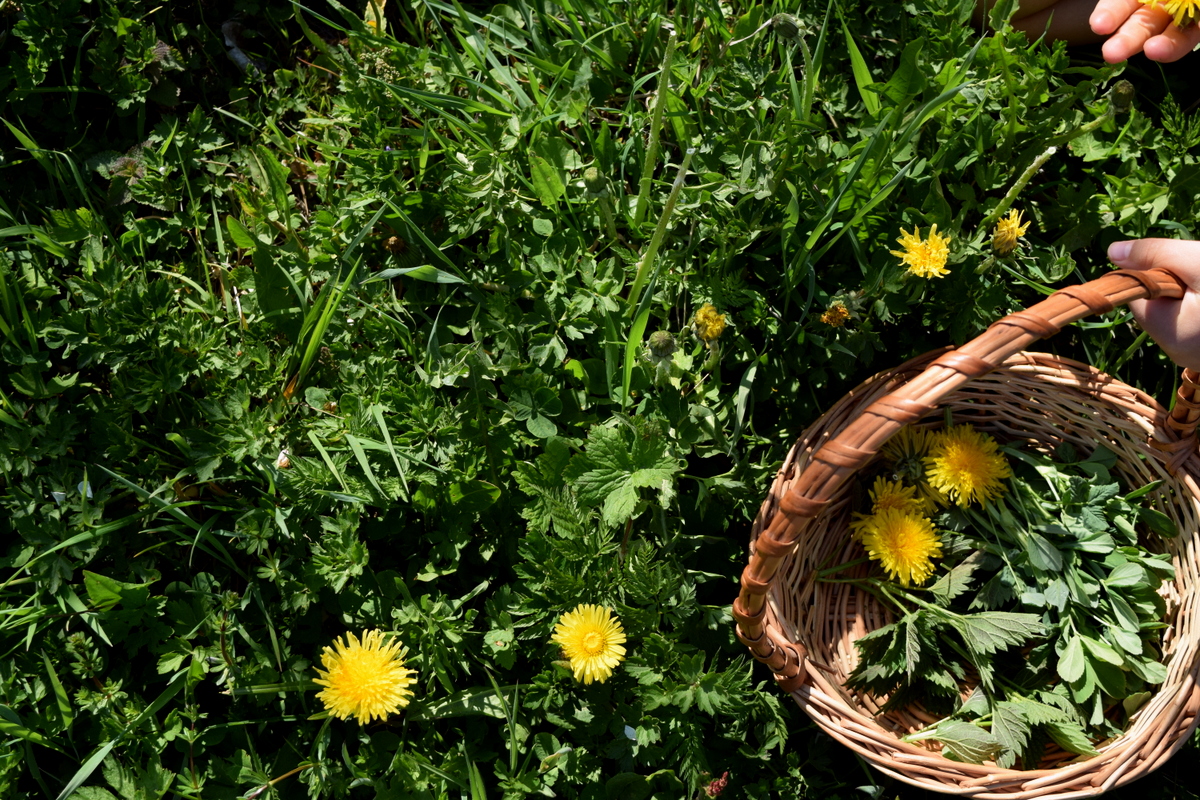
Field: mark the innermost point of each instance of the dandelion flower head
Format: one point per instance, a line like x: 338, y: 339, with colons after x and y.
x: 966, y: 466
x: 887, y: 495
x: 905, y: 453
x: 1183, y: 12
x: 709, y: 323
x: 1009, y: 231
x: 836, y: 315
x: 925, y: 258
x: 592, y: 641
x: 364, y: 679
x: 904, y: 543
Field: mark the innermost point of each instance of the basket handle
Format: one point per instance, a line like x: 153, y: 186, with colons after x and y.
x: 842, y: 456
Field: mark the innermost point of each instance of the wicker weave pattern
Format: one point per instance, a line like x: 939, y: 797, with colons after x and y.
x: 804, y: 630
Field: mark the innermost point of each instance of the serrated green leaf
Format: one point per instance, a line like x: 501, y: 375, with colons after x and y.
x: 957, y: 580
x: 1070, y: 737
x: 616, y: 463
x: 1011, y: 729
x: 963, y: 741
x: 989, y: 631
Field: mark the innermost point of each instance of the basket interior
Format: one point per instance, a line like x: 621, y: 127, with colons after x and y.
x: 1034, y: 400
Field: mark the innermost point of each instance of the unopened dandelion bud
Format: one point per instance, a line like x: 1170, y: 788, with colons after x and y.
x: 593, y: 180
x: 786, y: 26
x: 1121, y: 96
x: 662, y: 344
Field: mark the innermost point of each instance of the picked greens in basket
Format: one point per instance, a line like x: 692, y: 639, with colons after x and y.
x: 1018, y: 575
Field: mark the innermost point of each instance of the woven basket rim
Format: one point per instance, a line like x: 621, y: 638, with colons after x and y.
x: 819, y: 697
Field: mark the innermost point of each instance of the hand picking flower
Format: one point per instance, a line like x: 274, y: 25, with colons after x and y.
x: 592, y: 641
x: 364, y: 679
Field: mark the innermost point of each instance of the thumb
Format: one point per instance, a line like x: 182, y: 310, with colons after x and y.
x: 1180, y: 258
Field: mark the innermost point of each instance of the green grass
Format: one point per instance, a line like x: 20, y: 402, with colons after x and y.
x: 356, y: 340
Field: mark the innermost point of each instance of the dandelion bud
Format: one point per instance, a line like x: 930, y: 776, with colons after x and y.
x: 662, y: 344
x: 593, y: 180
x: 786, y: 26
x: 1121, y: 96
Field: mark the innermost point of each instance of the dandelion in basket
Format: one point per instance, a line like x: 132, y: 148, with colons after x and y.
x: 904, y: 543
x: 364, y: 679
x: 1008, y: 233
x: 592, y: 641
x: 966, y: 466
x: 925, y: 258
x: 886, y: 495
x: 905, y: 454
x: 708, y: 323
x: 1183, y: 12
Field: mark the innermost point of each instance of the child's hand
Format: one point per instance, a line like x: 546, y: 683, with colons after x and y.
x: 1137, y: 28
x: 1174, y: 324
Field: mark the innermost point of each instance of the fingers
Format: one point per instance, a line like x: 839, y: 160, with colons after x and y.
x: 1178, y: 257
x: 1174, y: 324
x: 1065, y: 19
x: 1109, y: 14
x: 1141, y: 25
x: 1172, y: 44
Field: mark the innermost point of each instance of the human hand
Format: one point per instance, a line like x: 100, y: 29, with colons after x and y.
x: 1137, y: 28
x: 1174, y: 324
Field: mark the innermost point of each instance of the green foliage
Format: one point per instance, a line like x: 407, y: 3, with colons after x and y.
x: 1061, y: 548
x: 309, y: 325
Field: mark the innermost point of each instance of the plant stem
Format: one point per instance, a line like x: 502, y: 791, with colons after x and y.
x: 664, y: 86
x: 660, y: 230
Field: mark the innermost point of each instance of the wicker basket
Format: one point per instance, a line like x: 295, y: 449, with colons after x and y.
x: 805, y: 630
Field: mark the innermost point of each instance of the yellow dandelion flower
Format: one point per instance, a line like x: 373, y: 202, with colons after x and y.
x: 836, y: 315
x: 364, y: 679
x: 591, y: 639
x: 708, y: 323
x: 904, y: 543
x: 887, y: 495
x: 966, y: 466
x: 1184, y: 12
x: 1008, y: 232
x: 925, y: 258
x: 905, y: 454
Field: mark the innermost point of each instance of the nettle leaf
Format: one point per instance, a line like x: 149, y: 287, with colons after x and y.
x: 989, y: 631
x: 620, y: 461
x: 964, y: 741
x: 957, y: 580
x: 1011, y: 729
x: 1070, y: 737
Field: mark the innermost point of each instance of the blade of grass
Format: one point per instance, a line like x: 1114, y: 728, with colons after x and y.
x: 312, y: 437
x: 862, y: 75
x: 651, y: 157
x: 377, y: 415
x: 97, y: 758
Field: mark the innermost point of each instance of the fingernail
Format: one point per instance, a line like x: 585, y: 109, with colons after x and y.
x: 1119, y: 251
x: 1101, y: 22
